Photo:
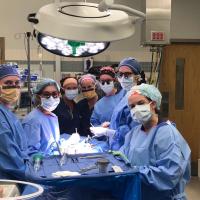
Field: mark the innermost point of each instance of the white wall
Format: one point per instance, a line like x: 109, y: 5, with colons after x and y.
x: 13, y: 23
x: 13, y: 20
x: 185, y: 19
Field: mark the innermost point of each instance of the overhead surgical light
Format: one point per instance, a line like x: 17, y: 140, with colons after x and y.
x: 69, y: 47
x: 79, y: 29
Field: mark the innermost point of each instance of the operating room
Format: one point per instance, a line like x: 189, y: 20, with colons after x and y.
x: 99, y: 99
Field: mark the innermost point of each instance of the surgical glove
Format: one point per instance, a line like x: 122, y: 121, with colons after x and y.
x: 98, y: 131
x: 105, y: 124
x: 110, y: 133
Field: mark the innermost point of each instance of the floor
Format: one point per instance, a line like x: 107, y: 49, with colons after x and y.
x: 193, y: 189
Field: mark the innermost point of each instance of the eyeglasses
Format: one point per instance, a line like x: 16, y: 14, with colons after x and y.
x: 105, y: 81
x: 87, y: 90
x: 47, y: 95
x: 89, y: 87
x: 10, y: 87
x: 69, y: 88
x: 11, y: 84
x: 125, y: 74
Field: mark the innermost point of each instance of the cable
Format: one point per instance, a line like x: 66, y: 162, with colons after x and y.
x: 155, y: 65
x: 152, y: 60
x: 159, y: 66
x: 25, y: 45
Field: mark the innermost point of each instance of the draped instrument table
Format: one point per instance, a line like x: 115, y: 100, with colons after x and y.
x: 125, y: 185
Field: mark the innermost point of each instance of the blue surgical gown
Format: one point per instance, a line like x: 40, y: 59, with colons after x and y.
x: 162, y: 157
x: 42, y: 132
x: 103, y: 109
x: 13, y: 146
x: 121, y: 122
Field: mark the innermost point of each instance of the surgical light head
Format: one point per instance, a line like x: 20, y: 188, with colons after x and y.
x: 82, y: 29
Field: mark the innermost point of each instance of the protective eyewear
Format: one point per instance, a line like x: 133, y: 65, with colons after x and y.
x: 86, y: 88
x: 47, y: 95
x: 125, y: 74
x: 10, y: 87
x: 11, y: 84
x: 106, y: 81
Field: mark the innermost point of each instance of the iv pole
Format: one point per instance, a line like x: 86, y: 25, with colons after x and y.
x: 28, y: 35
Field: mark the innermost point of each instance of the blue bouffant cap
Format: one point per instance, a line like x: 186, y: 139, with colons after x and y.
x: 132, y: 63
x: 8, y: 70
x: 44, y: 83
x: 149, y: 91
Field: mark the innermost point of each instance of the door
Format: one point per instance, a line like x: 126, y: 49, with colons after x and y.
x: 180, y: 86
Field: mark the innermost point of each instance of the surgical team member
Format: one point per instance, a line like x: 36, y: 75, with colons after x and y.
x: 41, y: 124
x: 128, y: 76
x: 13, y: 143
x: 67, y: 110
x: 13, y: 140
x: 87, y: 84
x: 156, y: 149
x: 103, y: 109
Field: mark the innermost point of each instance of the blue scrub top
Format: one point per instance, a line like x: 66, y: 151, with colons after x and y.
x: 42, y: 131
x: 104, y: 108
x: 162, y: 157
x: 122, y: 122
x: 13, y: 146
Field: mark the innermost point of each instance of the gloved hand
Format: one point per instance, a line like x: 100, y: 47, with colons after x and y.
x: 101, y: 131
x: 98, y: 131
x: 105, y: 124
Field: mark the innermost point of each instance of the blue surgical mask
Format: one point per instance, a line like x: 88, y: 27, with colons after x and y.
x: 71, y: 94
x: 50, y: 104
x: 141, y: 113
x: 127, y: 83
x: 107, y: 88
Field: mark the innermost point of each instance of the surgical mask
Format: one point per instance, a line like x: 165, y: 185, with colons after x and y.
x: 127, y: 83
x: 71, y: 94
x: 10, y: 95
x: 141, y: 113
x: 107, y: 88
x: 89, y: 94
x: 50, y: 104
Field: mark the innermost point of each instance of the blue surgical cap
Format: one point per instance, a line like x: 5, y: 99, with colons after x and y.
x: 149, y: 91
x: 44, y: 83
x: 132, y: 63
x: 8, y: 70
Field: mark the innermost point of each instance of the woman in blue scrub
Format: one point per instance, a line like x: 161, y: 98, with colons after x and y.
x: 41, y: 125
x: 121, y: 122
x: 156, y: 149
x: 13, y: 143
x: 103, y: 109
